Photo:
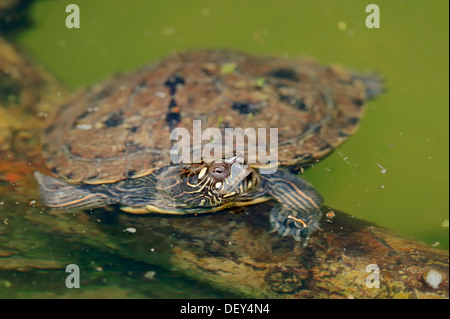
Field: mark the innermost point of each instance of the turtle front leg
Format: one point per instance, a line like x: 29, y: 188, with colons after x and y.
x: 298, y: 211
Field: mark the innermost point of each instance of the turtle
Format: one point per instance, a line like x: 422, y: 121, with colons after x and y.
x: 111, y: 144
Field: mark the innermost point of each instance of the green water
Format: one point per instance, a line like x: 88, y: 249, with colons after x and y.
x: 406, y: 131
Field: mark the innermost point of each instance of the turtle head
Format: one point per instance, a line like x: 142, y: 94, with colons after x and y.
x: 221, y: 181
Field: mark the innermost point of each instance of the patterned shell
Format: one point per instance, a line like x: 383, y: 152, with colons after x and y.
x: 121, y: 128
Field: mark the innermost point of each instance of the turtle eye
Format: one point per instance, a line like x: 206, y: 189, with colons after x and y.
x: 219, y: 171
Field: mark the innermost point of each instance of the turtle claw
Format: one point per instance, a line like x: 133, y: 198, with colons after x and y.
x: 288, y: 228
x: 291, y: 223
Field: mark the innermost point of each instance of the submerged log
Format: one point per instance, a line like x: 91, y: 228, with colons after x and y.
x: 348, y: 258
x: 235, y: 253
